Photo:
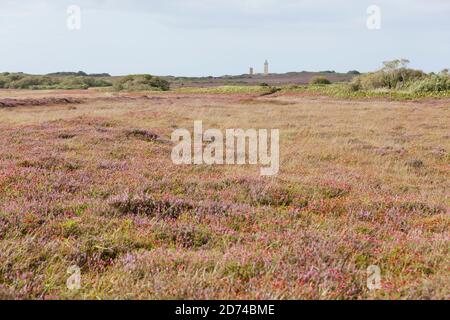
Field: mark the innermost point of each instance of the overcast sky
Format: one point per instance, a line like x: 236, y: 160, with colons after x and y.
x: 217, y: 37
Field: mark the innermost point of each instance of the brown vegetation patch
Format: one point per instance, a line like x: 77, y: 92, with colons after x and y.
x: 169, y: 207
x: 11, y: 103
x: 145, y: 135
x: 415, y: 163
x: 66, y: 136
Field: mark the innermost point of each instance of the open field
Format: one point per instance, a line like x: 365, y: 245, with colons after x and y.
x: 90, y: 182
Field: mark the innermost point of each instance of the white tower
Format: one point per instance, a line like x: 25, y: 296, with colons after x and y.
x: 266, y: 68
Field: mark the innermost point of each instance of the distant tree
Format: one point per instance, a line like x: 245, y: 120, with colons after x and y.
x: 396, y: 64
x: 100, y: 75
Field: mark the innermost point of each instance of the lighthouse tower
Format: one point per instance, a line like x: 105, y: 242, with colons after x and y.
x: 266, y: 68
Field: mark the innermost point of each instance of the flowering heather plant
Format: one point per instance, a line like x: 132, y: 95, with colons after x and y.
x: 165, y: 207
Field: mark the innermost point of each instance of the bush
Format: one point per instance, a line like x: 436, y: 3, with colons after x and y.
x: 396, y: 76
x: 23, y: 81
x: 29, y: 82
x: 68, y: 74
x: 432, y: 83
x: 79, y: 74
x: 83, y: 83
x: 319, y: 80
x: 141, y: 83
x: 15, y: 76
x: 396, y: 79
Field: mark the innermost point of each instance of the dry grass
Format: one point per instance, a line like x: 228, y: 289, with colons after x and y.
x: 361, y: 183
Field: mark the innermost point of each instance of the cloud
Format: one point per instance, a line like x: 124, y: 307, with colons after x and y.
x: 190, y: 36
x: 318, y: 14
x: 202, y: 13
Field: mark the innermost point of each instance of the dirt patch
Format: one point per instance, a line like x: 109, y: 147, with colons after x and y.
x: 267, y: 102
x: 11, y: 103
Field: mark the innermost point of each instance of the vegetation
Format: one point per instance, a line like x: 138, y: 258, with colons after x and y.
x: 432, y: 83
x: 226, y: 89
x: 346, y: 91
x: 93, y: 185
x: 394, y: 81
x: 361, y: 184
x: 142, y: 82
x: 395, y: 75
x: 319, y: 80
x: 79, y: 73
x: 25, y: 81
x: 81, y: 80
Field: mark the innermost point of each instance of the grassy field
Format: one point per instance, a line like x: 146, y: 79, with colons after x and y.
x: 362, y: 182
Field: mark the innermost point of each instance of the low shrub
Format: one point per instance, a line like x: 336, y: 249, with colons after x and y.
x: 24, y: 81
x: 395, y: 76
x: 319, y: 80
x: 432, y: 83
x: 141, y: 82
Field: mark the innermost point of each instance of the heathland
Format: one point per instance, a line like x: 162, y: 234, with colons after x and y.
x: 86, y: 180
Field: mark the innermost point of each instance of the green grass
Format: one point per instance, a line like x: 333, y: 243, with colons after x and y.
x: 343, y: 90
x: 225, y: 89
x: 336, y: 90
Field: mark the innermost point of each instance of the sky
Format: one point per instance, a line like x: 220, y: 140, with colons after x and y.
x: 218, y: 37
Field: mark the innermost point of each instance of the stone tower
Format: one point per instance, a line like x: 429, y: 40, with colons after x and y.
x: 251, y: 72
x: 266, y: 68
